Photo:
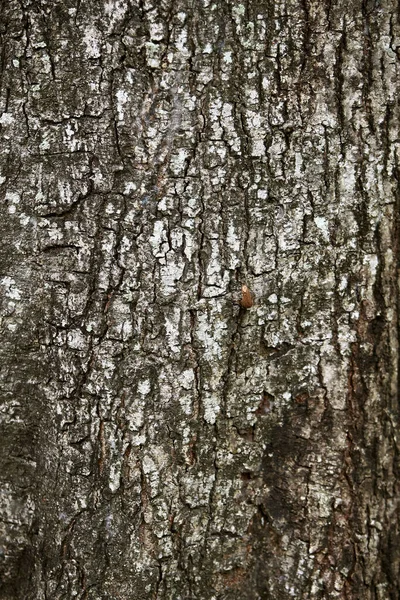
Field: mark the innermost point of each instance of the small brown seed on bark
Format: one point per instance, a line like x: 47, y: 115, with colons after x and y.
x: 247, y: 298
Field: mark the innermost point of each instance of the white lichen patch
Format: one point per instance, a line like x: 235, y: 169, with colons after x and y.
x: 323, y: 225
x: 114, y: 477
x: 10, y: 288
x: 144, y: 387
x: 212, y: 408
x: 172, y: 330
x: 76, y: 340
x: 178, y: 161
x: 6, y: 119
x: 92, y: 40
x: 122, y: 99
x: 12, y: 199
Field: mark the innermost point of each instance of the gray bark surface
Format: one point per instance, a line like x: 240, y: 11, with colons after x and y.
x: 159, y: 440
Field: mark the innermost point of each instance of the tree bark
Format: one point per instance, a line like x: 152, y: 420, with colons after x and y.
x: 165, y: 433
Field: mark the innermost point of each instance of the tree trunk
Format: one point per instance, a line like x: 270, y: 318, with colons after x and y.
x: 167, y: 434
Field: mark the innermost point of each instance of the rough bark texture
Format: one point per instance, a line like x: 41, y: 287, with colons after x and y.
x: 158, y: 439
